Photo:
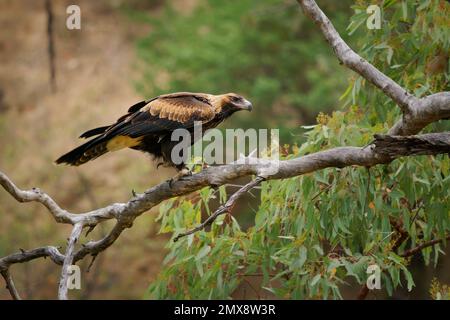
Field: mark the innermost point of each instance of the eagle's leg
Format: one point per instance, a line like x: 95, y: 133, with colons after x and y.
x: 183, y: 171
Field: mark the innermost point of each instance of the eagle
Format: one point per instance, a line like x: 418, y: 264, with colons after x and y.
x: 149, y: 124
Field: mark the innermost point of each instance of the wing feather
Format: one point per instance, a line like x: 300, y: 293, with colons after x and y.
x: 163, y: 114
x: 181, y: 108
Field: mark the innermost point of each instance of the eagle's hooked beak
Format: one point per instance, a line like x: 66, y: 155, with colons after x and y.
x: 247, y: 105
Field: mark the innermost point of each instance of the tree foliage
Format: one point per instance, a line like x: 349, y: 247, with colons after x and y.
x: 313, y: 234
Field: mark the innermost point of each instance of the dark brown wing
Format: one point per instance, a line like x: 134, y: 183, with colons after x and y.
x: 164, y: 113
x: 180, y: 109
x: 158, y: 116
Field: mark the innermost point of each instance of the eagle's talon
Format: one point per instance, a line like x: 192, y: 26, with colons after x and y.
x: 181, y: 175
x: 184, y: 172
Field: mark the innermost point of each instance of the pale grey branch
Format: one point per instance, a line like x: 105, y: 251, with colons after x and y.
x: 60, y: 215
x: 68, y: 260
x: 354, y: 61
x: 417, y: 113
x: 424, y: 111
x: 25, y: 256
x: 10, y: 285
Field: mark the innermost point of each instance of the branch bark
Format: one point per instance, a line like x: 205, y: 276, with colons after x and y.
x: 353, y: 61
x: 422, y: 246
x: 424, y: 144
x: 10, y: 285
x: 68, y: 260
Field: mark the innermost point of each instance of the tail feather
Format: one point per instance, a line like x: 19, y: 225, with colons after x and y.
x: 84, y: 153
x: 114, y: 139
x: 94, y: 132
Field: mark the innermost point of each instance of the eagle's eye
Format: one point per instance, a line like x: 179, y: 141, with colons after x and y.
x: 235, y: 99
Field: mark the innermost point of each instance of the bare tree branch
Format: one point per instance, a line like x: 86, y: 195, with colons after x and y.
x: 422, y: 246
x: 353, y: 61
x: 226, y: 208
x: 68, y: 260
x: 417, y: 113
x: 10, y: 285
x: 422, y: 112
x: 125, y: 213
x: 60, y: 215
x: 95, y: 247
x: 424, y: 144
x: 25, y: 256
x: 35, y: 194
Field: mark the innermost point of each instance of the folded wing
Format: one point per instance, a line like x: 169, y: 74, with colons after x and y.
x: 158, y: 116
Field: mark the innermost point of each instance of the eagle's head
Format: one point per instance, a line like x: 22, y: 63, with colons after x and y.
x: 237, y: 102
x: 229, y: 103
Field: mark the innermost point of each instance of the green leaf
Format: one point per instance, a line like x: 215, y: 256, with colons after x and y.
x: 409, y: 279
x: 315, y: 279
x: 302, y: 256
x: 203, y: 252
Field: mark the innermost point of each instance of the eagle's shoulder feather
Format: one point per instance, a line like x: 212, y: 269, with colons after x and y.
x: 181, y: 107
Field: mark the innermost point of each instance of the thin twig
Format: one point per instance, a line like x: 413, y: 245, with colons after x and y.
x: 226, y: 208
x: 10, y: 285
x: 403, y: 235
x: 424, y: 245
x: 94, y: 257
x: 364, y: 291
x: 25, y: 256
